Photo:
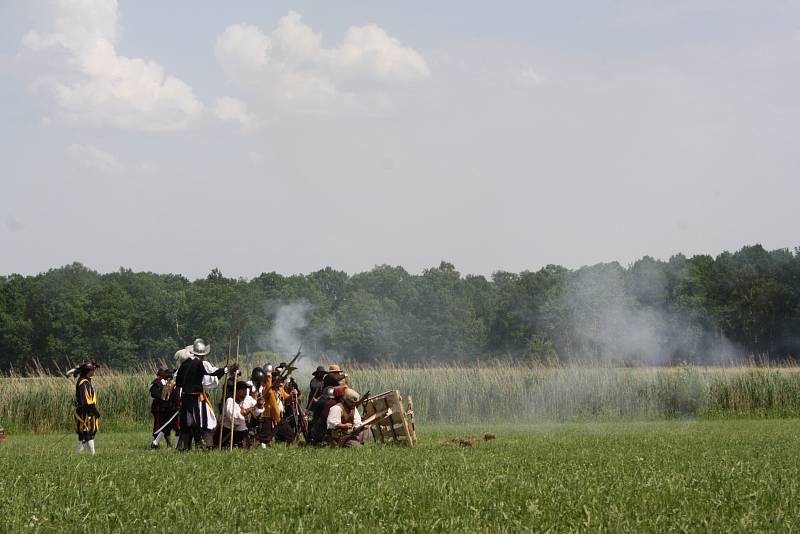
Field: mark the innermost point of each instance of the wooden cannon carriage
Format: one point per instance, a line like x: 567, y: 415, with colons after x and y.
x: 398, y: 425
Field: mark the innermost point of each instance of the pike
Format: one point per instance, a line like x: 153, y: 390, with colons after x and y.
x: 235, y: 379
x: 224, y: 392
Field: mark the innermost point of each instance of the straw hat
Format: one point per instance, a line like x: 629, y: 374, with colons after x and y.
x: 333, y: 368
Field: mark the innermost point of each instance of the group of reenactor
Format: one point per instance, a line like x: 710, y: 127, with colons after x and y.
x: 266, y: 408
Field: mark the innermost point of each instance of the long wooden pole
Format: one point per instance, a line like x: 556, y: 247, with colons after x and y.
x: 225, y: 391
x: 233, y: 418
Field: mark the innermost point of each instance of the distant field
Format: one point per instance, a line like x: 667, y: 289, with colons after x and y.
x: 724, y: 476
x: 465, y: 395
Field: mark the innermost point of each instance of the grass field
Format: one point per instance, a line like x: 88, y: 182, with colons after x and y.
x: 740, y: 475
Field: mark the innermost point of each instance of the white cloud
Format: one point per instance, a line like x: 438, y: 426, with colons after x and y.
x: 292, y: 68
x: 94, y: 159
x: 233, y: 110
x: 242, y: 49
x: 370, y: 52
x: 528, y: 77
x: 91, y: 82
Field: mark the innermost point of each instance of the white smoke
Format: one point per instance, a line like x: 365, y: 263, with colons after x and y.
x: 288, y: 327
x: 290, y: 331
x: 607, y: 323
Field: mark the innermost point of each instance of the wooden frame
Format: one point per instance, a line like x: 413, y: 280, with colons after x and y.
x: 400, y: 427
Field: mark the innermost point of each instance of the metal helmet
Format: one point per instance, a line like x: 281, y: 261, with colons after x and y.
x: 328, y: 394
x: 258, y: 376
x: 200, y: 348
x: 268, y: 369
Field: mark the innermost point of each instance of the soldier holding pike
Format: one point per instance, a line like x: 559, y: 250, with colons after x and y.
x: 195, y: 375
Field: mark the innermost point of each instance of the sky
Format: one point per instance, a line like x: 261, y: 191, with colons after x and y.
x: 257, y: 136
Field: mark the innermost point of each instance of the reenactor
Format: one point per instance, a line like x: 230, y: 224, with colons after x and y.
x: 344, y: 422
x: 239, y: 413
x: 197, y: 419
x: 334, y: 377
x: 318, y: 428
x: 87, y: 417
x: 315, y: 387
x: 164, y: 407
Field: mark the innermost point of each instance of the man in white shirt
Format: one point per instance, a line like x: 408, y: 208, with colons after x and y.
x: 344, y: 421
x: 238, y: 412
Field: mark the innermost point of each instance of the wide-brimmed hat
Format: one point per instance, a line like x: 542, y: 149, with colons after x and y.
x: 200, y: 348
x: 333, y: 368
x: 163, y: 371
x: 319, y: 372
x: 82, y: 369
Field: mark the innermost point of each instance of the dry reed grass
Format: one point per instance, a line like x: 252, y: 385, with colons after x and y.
x: 457, y: 394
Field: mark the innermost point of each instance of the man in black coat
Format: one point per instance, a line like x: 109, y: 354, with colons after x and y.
x: 164, y: 407
x: 315, y: 387
x: 197, y: 418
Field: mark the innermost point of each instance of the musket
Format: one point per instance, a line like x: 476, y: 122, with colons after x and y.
x: 366, y: 423
x: 300, y: 419
x: 288, y: 369
x: 365, y: 399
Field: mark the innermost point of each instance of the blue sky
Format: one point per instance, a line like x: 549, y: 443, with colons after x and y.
x: 259, y: 136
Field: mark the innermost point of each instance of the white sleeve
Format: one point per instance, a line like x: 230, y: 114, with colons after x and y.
x: 233, y: 410
x: 229, y: 411
x: 250, y: 402
x: 334, y: 417
x: 356, y: 417
x: 209, y: 381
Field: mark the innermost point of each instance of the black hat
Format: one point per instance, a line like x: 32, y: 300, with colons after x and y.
x: 164, y: 371
x: 241, y: 385
x: 319, y: 372
x: 83, y: 369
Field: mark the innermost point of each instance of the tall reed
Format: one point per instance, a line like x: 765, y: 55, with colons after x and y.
x: 457, y: 394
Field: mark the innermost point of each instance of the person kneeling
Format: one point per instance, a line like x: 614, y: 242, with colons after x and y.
x: 344, y: 422
x: 237, y: 412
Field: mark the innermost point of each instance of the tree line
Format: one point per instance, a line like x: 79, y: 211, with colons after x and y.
x: 699, y: 309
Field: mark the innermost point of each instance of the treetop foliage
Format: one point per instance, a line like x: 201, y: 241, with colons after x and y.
x: 700, y: 309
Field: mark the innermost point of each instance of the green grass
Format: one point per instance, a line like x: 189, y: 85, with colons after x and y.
x: 740, y: 475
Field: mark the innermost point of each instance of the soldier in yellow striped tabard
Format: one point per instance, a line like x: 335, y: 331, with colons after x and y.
x: 87, y: 418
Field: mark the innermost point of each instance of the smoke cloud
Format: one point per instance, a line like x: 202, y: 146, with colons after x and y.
x: 290, y: 331
x: 608, y: 323
x: 288, y: 327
